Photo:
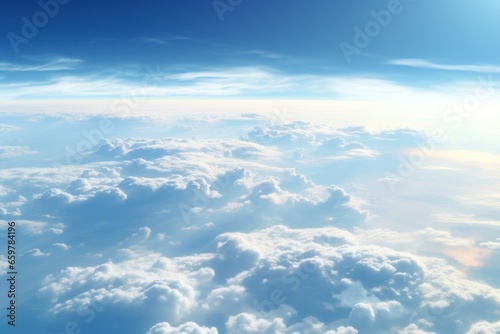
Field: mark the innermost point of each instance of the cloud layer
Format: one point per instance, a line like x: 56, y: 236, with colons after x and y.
x: 271, y: 230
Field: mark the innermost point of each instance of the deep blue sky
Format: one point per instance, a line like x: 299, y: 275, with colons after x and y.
x: 121, y: 38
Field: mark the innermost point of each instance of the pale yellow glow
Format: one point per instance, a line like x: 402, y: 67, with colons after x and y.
x: 374, y: 114
x: 484, y: 160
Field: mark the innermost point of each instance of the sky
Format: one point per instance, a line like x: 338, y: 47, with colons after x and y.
x: 240, y: 167
x: 97, y: 50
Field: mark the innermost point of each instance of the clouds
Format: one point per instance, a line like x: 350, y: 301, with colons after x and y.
x: 420, y: 63
x: 56, y: 64
x: 135, y: 82
x: 280, y: 272
x: 371, y: 284
x: 14, y: 151
x: 160, y: 82
x: 145, y: 284
x: 187, y: 328
x: 5, y: 128
x: 491, y: 244
x: 140, y: 281
x: 36, y: 253
x: 161, y: 40
x: 38, y: 227
x: 249, y: 323
x: 271, y: 229
x: 280, y: 280
x: 184, y: 182
x: 233, y: 180
x: 485, y: 327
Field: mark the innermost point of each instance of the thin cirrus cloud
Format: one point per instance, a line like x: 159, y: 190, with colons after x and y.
x: 420, y: 63
x: 57, y: 64
x: 236, y: 81
x: 161, y: 40
x: 70, y: 86
x: 267, y: 54
x: 14, y: 151
x: 257, y: 80
x: 466, y: 219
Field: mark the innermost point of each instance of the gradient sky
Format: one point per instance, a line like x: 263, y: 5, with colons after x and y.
x: 110, y: 45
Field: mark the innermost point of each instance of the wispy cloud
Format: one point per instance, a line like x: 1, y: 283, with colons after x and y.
x: 4, y: 128
x: 225, y: 82
x: 466, y: 219
x: 14, y: 151
x: 359, y: 87
x: 66, y: 86
x: 237, y: 81
x: 152, y: 40
x: 161, y: 40
x: 273, y: 56
x: 491, y: 244
x: 419, y: 63
x: 267, y: 54
x: 250, y: 81
x: 57, y: 64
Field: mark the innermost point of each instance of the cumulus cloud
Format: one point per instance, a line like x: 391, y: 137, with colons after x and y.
x: 61, y: 245
x: 484, y: 327
x: 249, y: 323
x: 491, y: 244
x: 37, y: 253
x: 282, y: 280
x: 270, y: 232
x: 187, y: 328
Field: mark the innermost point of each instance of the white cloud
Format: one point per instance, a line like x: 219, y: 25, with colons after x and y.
x: 14, y: 151
x: 491, y: 244
x: 57, y: 64
x: 443, y: 237
x: 466, y: 219
x: 161, y: 40
x: 5, y: 191
x: 31, y: 227
x: 37, y: 253
x: 413, y: 329
x: 187, y: 328
x: 249, y: 323
x: 61, y: 245
x: 484, y: 327
x: 4, y: 128
x: 220, y: 81
x: 232, y: 235
x: 445, y: 67
x: 252, y: 276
